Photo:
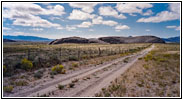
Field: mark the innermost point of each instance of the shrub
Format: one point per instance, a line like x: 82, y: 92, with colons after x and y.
x: 51, y: 76
x: 64, y: 71
x: 21, y: 83
x: 167, y: 55
x: 146, y: 66
x: 4, y: 68
x: 60, y: 87
x: 139, y: 58
x: 38, y: 74
x: 148, y: 57
x: 71, y: 85
x: 75, y: 65
x: 26, y: 64
x: 73, y: 58
x: 57, y: 68
x: 71, y: 68
x: 8, y: 88
x: 85, y: 57
x: 126, y: 60
x: 161, y: 60
x: 53, y: 73
x: 76, y: 80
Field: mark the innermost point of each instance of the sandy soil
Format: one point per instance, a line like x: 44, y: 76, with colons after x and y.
x: 90, y: 80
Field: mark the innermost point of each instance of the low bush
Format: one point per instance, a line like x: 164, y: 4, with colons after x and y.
x: 8, y: 88
x: 38, y: 74
x: 139, y: 58
x: 76, y: 80
x: 126, y: 60
x: 60, y: 87
x: 162, y: 60
x: 51, y: 76
x: 57, y: 69
x: 148, y: 57
x: 146, y: 66
x: 26, y: 64
x: 71, y: 85
x: 21, y: 83
x: 63, y: 71
x: 4, y: 68
x: 73, y: 58
x: 75, y: 65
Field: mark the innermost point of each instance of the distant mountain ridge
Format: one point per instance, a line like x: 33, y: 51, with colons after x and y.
x: 172, y: 39
x: 8, y: 40
x: 136, y: 39
x: 129, y: 39
x: 26, y: 38
x: 110, y: 40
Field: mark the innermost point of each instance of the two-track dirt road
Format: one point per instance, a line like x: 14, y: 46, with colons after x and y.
x: 89, y: 80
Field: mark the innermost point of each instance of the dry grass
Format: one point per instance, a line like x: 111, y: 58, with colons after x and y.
x: 155, y: 75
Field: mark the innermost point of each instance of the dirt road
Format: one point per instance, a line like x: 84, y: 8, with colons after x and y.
x: 89, y: 80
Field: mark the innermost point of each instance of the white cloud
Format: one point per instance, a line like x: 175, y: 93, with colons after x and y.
x: 70, y: 28
x: 59, y: 28
x: 6, y: 28
x: 121, y: 27
x: 86, y: 7
x: 37, y: 29
x: 85, y: 24
x: 99, y: 20
x: 109, y: 11
x: 26, y: 14
x: 171, y: 26
x: 148, y: 30
x: 91, y: 30
x: 132, y: 7
x: 175, y: 7
x: 163, y: 16
x: 109, y: 23
x: 132, y: 14
x: 177, y: 28
x: 34, y: 21
x: 56, y: 18
x: 80, y: 15
x: 117, y: 30
x: 16, y: 33
x: 148, y: 12
x: 31, y: 8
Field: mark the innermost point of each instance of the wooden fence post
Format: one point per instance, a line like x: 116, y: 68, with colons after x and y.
x: 60, y: 54
x: 99, y: 52
x: 90, y: 52
x: 119, y: 50
x: 79, y: 54
x: 28, y: 54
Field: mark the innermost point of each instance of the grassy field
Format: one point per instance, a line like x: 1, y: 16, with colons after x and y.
x: 155, y: 75
x: 39, y: 55
x: 27, y: 63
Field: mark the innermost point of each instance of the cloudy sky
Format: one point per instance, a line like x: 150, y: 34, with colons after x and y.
x: 90, y: 20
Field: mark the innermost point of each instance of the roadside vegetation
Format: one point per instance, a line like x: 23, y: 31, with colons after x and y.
x: 33, y: 64
x: 155, y: 75
x: 31, y: 56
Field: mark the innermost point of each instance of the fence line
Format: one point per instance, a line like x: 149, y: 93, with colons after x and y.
x: 60, y: 55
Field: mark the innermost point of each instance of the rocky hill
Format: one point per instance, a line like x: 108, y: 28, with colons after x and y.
x: 137, y: 39
x: 111, y: 40
x: 70, y: 40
